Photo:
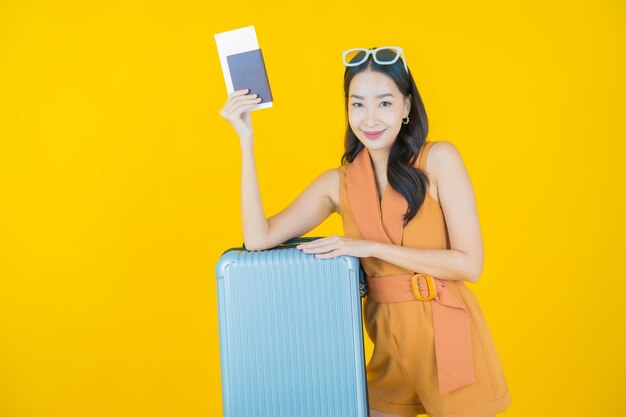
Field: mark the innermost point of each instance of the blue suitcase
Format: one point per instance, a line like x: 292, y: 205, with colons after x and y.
x: 291, y: 335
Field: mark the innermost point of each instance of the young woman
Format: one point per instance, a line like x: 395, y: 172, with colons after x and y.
x: 409, y: 214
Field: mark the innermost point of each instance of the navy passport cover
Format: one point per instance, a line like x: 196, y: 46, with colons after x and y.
x: 247, y: 70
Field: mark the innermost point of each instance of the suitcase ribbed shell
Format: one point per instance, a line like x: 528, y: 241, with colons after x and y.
x: 291, y: 335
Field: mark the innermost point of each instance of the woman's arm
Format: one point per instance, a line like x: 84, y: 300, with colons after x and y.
x: 306, y: 212
x: 237, y: 111
x: 255, y: 225
x: 447, y: 264
x: 464, y: 259
x: 311, y: 207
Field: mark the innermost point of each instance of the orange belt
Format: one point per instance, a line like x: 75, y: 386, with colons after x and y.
x: 451, y: 322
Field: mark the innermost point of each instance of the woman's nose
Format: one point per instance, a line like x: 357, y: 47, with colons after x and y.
x: 371, y: 117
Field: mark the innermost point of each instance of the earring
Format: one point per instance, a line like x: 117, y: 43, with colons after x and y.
x: 407, y: 119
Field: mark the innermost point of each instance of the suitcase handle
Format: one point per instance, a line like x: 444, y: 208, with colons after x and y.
x: 291, y: 242
x: 294, y: 241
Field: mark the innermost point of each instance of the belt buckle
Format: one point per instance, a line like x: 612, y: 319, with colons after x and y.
x: 430, y: 282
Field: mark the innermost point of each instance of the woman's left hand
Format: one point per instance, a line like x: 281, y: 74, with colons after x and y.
x: 335, y: 245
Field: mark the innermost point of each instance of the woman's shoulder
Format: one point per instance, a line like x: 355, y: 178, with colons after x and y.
x: 442, y: 144
x: 331, y: 175
x: 335, y: 175
x: 444, y: 161
x: 441, y: 154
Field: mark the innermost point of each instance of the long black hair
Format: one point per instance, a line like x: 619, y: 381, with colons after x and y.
x: 410, y: 182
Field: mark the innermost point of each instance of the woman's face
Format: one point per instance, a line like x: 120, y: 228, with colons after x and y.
x: 375, y: 104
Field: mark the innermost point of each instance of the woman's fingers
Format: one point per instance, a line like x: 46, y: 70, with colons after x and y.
x: 318, y: 242
x: 332, y: 254
x: 325, y: 245
x: 235, y: 113
x: 236, y: 94
x: 236, y: 108
x: 241, y: 101
x: 239, y: 95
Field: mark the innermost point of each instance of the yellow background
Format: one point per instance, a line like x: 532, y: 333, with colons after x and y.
x: 120, y: 185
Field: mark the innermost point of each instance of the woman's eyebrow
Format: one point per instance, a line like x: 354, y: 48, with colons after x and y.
x: 378, y: 96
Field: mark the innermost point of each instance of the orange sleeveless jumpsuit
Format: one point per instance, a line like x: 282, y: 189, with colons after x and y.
x: 435, y: 356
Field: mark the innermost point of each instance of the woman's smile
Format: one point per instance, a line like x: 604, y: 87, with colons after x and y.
x: 373, y: 134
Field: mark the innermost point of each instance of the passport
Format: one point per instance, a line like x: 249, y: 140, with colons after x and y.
x: 243, y: 64
x: 247, y: 70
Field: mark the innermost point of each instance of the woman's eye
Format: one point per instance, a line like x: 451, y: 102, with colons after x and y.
x: 357, y: 105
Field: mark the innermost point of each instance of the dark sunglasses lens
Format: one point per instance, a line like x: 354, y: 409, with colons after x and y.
x: 355, y: 57
x: 387, y: 54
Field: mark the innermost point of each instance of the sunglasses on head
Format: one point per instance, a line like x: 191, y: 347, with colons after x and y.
x: 383, y: 55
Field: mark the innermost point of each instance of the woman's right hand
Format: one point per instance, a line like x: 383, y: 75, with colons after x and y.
x: 236, y: 112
